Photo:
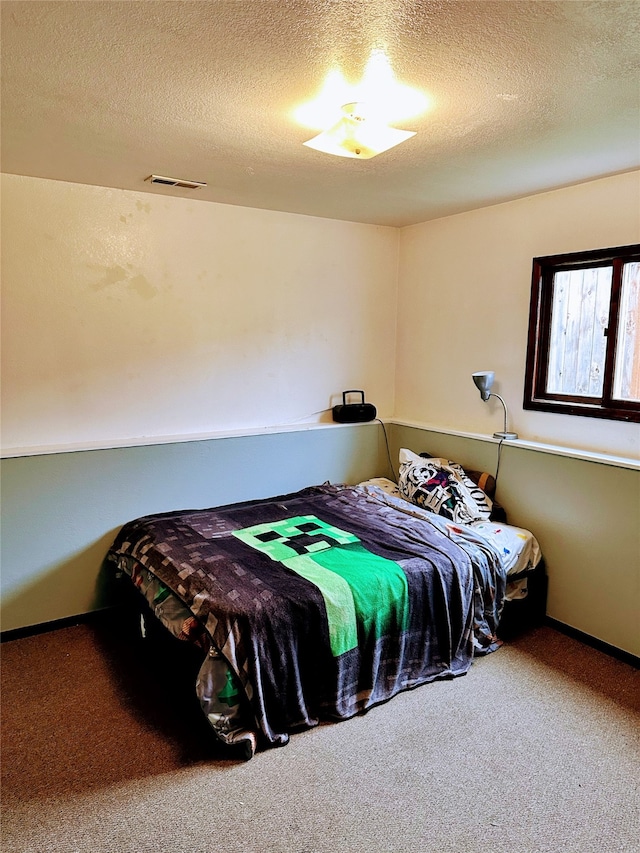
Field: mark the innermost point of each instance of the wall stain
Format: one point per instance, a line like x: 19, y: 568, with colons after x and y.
x: 113, y: 275
x: 144, y: 206
x: 135, y: 283
x: 142, y: 286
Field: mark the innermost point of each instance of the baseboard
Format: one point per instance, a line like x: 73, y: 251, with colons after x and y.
x: 92, y: 617
x: 594, y: 642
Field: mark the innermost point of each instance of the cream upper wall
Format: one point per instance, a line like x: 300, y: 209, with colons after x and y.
x: 127, y: 315
x: 464, y: 290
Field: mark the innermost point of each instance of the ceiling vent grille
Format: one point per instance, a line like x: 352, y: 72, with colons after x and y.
x: 175, y: 182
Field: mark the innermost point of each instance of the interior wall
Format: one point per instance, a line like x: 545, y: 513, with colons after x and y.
x: 127, y: 315
x: 463, y: 306
x: 62, y: 511
x: 585, y: 517
x: 130, y: 315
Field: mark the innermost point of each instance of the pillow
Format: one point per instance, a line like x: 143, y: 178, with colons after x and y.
x: 486, y: 481
x: 443, y: 487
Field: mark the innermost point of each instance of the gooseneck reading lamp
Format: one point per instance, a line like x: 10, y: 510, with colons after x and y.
x: 484, y: 381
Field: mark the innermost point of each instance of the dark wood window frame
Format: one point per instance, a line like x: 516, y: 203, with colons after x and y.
x: 536, y: 397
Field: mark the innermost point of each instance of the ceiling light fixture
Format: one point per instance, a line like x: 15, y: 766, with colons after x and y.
x: 368, y: 109
x: 358, y: 134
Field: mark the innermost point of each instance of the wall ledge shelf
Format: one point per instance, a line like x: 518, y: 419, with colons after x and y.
x: 525, y: 444
x: 153, y: 440
x: 150, y: 441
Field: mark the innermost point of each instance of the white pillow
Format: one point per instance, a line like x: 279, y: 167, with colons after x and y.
x: 443, y: 487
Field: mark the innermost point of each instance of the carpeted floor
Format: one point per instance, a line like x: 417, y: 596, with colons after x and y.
x: 536, y: 749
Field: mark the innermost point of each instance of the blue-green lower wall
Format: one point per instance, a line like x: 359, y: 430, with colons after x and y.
x: 61, y: 511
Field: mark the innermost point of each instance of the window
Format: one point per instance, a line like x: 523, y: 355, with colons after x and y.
x: 583, y: 354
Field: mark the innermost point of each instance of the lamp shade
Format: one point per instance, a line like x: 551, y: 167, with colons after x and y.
x: 358, y: 134
x: 484, y: 381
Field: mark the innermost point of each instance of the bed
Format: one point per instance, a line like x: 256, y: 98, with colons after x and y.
x: 323, y: 603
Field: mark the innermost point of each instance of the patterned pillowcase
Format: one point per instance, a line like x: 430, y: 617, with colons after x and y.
x: 485, y: 481
x: 443, y: 487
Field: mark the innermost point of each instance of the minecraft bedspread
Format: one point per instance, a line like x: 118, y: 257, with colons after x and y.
x: 321, y: 603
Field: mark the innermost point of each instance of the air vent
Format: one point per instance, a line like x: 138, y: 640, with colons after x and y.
x: 175, y: 182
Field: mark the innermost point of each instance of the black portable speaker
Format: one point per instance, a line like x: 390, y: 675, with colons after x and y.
x: 353, y: 413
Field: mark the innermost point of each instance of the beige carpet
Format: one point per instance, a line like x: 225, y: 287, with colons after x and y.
x: 536, y: 749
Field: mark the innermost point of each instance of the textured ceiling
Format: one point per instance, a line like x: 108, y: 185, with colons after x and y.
x: 526, y: 97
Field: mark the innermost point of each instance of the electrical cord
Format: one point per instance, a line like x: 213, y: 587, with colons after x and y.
x: 386, y: 440
x: 384, y: 430
x: 500, y: 443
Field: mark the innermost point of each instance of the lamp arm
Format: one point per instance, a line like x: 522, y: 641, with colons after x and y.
x: 505, y: 434
x: 504, y: 406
